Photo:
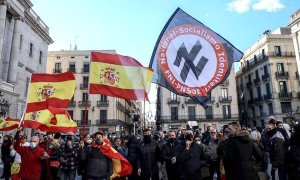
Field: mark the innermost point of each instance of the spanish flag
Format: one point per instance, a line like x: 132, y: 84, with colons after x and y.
x: 119, y: 76
x: 121, y: 167
x: 8, y: 124
x: 48, y: 99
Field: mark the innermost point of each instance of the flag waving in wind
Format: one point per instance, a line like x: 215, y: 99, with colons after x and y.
x: 47, y: 102
x: 119, y: 76
x: 190, y: 59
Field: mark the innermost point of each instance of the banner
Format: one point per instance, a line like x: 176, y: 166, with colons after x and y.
x: 47, y: 102
x: 8, y: 124
x: 119, y: 76
x: 190, y: 59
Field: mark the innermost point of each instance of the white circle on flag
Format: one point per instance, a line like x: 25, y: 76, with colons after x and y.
x: 206, y: 51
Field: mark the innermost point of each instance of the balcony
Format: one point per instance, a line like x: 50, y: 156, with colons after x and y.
x: 81, y: 122
x: 225, y: 83
x: 190, y: 101
x: 55, y: 71
x: 249, y: 85
x: 282, y: 75
x: 257, y: 81
x: 227, y: 99
x: 265, y: 77
x: 173, y: 101
x: 212, y: 117
x: 110, y: 122
x: 85, y: 70
x: 103, y: 103
x: 258, y: 99
x: 284, y: 96
x: 84, y: 86
x: 267, y: 97
x: 254, y: 62
x: 281, y: 54
x: 72, y: 104
x: 72, y: 70
x: 82, y: 103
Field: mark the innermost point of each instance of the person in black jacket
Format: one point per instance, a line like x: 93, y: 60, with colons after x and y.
x: 149, y: 158
x: 238, y: 152
x: 5, y: 156
x: 99, y: 166
x: 294, y: 155
x: 189, y: 156
x: 168, y: 155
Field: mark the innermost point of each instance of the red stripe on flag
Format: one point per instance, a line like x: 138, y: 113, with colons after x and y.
x: 55, y: 102
x: 129, y: 94
x: 67, y: 76
x: 9, y: 128
x: 114, y: 59
x: 43, y: 127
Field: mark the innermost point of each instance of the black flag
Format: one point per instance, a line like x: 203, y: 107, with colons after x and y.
x: 190, y: 59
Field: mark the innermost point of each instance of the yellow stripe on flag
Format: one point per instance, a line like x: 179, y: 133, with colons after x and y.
x: 60, y: 90
x: 126, y: 77
x: 44, y: 117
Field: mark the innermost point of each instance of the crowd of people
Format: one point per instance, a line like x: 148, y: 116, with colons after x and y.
x: 231, y: 153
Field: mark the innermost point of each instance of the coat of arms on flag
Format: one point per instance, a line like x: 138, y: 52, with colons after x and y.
x: 190, y: 59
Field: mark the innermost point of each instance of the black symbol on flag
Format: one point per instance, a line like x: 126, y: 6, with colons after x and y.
x: 189, y: 60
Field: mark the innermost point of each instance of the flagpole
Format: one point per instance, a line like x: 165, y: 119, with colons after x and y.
x: 85, y: 113
x: 144, y: 114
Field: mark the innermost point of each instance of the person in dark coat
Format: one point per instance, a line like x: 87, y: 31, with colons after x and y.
x: 206, y: 138
x: 85, y: 145
x: 238, y: 152
x: 189, y: 156
x: 5, y: 157
x: 149, y: 157
x: 169, y: 157
x: 294, y: 155
x: 133, y: 148
x: 99, y: 166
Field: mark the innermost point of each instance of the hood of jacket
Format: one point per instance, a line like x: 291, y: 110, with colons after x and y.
x: 241, y: 136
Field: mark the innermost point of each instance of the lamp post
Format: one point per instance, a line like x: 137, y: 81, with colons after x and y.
x: 4, y: 106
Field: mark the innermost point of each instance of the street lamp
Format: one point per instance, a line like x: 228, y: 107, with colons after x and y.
x: 4, y: 106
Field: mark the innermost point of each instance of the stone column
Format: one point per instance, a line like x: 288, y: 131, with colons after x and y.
x: 7, y: 47
x: 14, y: 55
x: 3, y: 12
x: 297, y: 49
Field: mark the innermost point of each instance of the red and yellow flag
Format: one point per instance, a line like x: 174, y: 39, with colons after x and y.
x: 121, y: 167
x: 119, y: 76
x: 8, y: 124
x: 48, y: 99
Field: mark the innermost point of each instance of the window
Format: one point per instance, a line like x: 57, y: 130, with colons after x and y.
x: 21, y: 41
x: 103, y: 98
x: 72, y: 57
x: 263, y: 51
x: 280, y: 68
x: 224, y: 93
x: 192, y: 113
x: 270, y: 106
x: 262, y: 123
x: 251, y: 94
x: 85, y: 81
x: 85, y: 97
x: 268, y: 89
x: 256, y: 74
x: 86, y: 57
x: 40, y: 57
x: 57, y: 68
x: 253, y: 112
x: 226, y: 112
x: 174, y: 113
x: 173, y: 96
x: 82, y: 116
x: 209, y: 112
x: 255, y: 58
x: 249, y: 78
x: 103, y: 116
x: 266, y: 70
x: 71, y: 112
x: 27, y: 86
x: 277, y: 50
x: 86, y: 68
x: 72, y: 68
x: 282, y: 88
x: 258, y: 92
x: 30, y: 49
x: 285, y: 107
x: 261, y: 110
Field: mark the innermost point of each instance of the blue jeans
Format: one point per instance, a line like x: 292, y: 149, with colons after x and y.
x: 70, y: 175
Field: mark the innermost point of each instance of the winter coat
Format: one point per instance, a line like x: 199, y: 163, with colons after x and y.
x: 278, y: 153
x: 98, y: 165
x: 266, y: 142
x: 148, y: 157
x: 190, y: 161
x: 168, y: 152
x: 294, y: 157
x: 238, y: 152
x: 213, y: 145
